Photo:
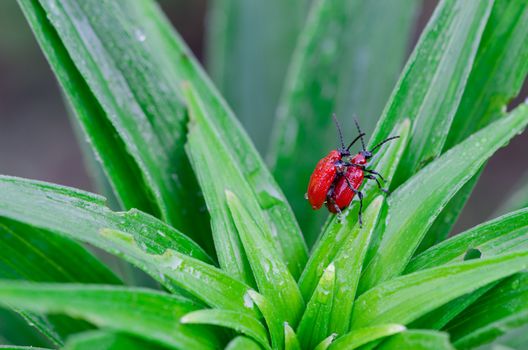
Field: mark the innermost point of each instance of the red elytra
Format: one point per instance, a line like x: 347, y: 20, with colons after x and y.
x: 345, y: 185
x: 337, y: 177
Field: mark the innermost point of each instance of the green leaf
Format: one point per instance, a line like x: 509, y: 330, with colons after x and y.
x: 488, y: 238
x: 199, y: 279
x: 406, y: 298
x: 427, y: 92
x: 208, y: 151
x: 338, y: 65
x: 107, y: 340
x: 184, y: 68
x: 106, y: 65
x: 248, y: 58
x: 134, y: 236
x: 503, y: 308
x: 414, y: 206
x: 15, y: 328
x: 326, y: 342
x: 441, y: 316
x: 41, y: 256
x: 314, y: 325
x: 497, y: 76
x: 418, y: 340
x: 361, y: 336
x: 291, y: 342
x: 83, y: 215
x: 269, y: 270
x: 239, y: 322
x: 271, y: 316
x: 349, y: 264
x: 147, y: 314
x: 336, y: 231
x: 243, y: 343
x: 37, y: 255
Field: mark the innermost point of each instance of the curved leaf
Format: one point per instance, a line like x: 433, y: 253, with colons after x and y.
x: 361, y: 336
x: 505, y: 228
x: 269, y: 270
x: 241, y: 323
x: 105, y: 54
x: 134, y: 236
x: 414, y: 206
x: 273, y: 320
x: 404, y: 299
x: 208, y: 151
x: 418, y: 340
x: 107, y: 340
x: 503, y: 308
x: 147, y: 314
x: 291, y: 342
x: 315, y: 322
x: 496, y: 78
x: 243, y: 343
x: 349, y: 264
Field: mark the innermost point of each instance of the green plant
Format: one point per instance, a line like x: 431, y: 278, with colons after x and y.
x: 164, y: 138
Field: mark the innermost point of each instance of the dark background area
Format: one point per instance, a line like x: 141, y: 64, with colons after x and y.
x: 37, y: 140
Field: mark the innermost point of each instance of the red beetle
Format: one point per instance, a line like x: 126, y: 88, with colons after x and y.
x: 338, y: 176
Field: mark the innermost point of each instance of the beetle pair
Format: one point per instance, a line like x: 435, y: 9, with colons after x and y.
x: 338, y: 176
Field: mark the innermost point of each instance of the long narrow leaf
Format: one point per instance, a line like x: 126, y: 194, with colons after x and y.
x: 243, y: 343
x: 146, y: 314
x: 237, y: 321
x: 184, y: 68
x: 336, y: 66
x: 107, y: 340
x: 497, y: 76
x: 416, y: 204
x: 314, y: 325
x: 208, y: 151
x: 134, y: 236
x: 359, y: 337
x: 418, y: 340
x: 505, y: 228
x: 404, y: 299
x: 273, y: 320
x: 291, y: 342
x: 36, y: 255
x: 268, y: 269
x: 503, y: 308
x: 349, y: 264
x: 449, y: 74
x: 103, y: 52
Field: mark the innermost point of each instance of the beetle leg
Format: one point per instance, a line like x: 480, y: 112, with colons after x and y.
x: 371, y: 177
x: 360, y: 196
x: 374, y: 173
x: 332, y: 202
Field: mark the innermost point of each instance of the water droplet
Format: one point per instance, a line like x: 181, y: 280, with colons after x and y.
x: 140, y: 36
x: 248, y: 302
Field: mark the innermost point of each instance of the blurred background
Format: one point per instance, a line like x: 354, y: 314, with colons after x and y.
x: 37, y: 140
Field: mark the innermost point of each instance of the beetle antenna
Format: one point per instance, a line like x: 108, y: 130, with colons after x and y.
x: 384, y: 141
x: 338, y: 130
x: 361, y: 134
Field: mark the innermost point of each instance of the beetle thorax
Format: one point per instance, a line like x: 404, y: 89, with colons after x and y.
x: 359, y: 159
